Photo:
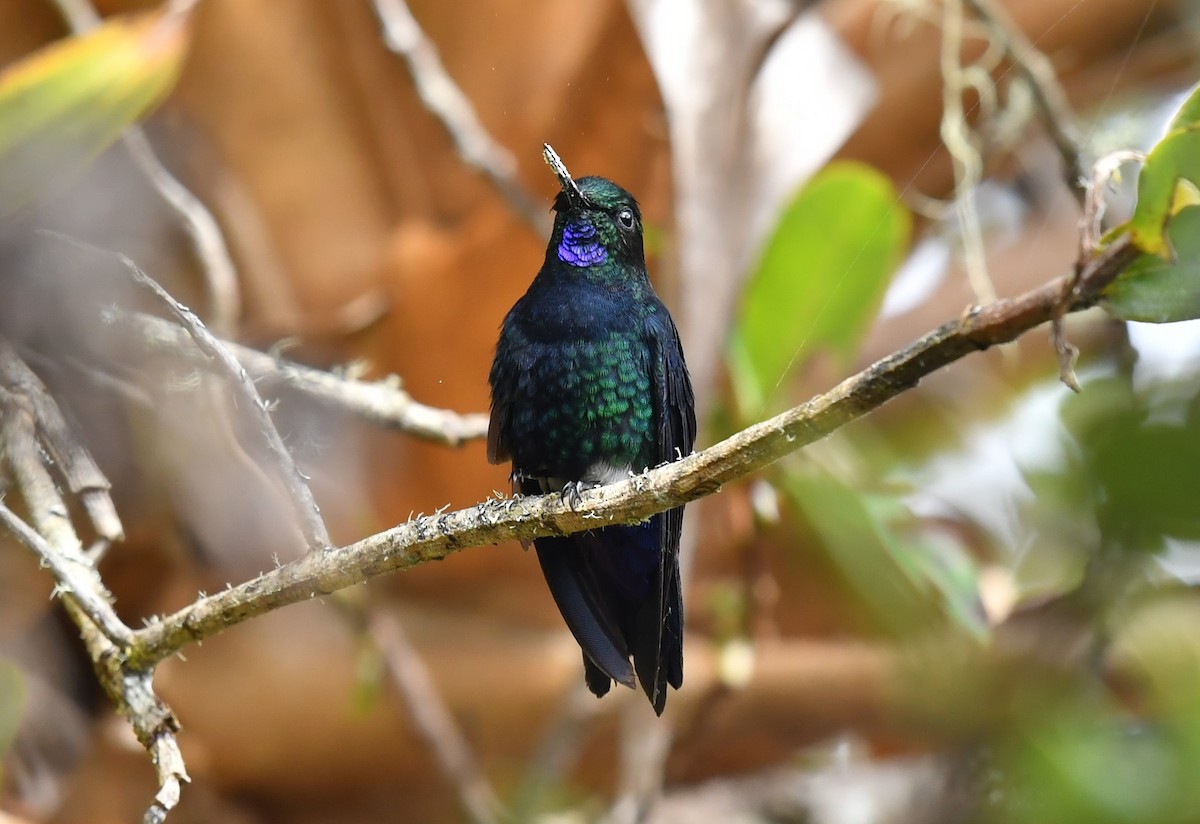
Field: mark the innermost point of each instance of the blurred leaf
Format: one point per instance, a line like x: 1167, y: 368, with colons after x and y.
x: 1168, y: 180
x: 370, y: 671
x: 1087, y: 765
x: 727, y: 607
x: 952, y: 574
x: 820, y: 280
x: 1141, y: 455
x: 1154, y: 290
x: 1080, y: 754
x: 63, y: 105
x: 1155, y: 645
x: 906, y: 584
x: 1109, y: 409
x: 12, y: 700
x: 1062, y: 532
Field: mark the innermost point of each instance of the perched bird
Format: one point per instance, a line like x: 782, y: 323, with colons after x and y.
x: 589, y: 385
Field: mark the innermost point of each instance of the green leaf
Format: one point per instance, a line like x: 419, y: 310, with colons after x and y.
x: 910, y: 586
x: 1168, y: 180
x: 820, y: 280
x: 944, y: 567
x: 63, y: 105
x: 12, y: 700
x: 1139, y: 452
x: 1154, y: 290
x: 1188, y: 115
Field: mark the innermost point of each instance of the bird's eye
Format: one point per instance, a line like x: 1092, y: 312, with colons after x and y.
x: 625, y: 218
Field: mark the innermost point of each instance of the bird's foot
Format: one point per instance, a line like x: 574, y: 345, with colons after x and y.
x: 572, y: 492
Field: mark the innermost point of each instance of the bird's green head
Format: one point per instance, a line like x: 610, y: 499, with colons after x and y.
x: 596, y: 222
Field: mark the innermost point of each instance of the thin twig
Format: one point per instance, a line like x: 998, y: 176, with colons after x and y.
x: 32, y: 420
x: 106, y: 637
x: 1104, y: 171
x: 434, y: 721
x: 208, y: 242
x: 154, y: 724
x: 959, y: 142
x: 307, y: 512
x: 644, y: 751
x: 76, y: 579
x: 188, y: 339
x: 220, y: 274
x: 1037, y: 71
x: 703, y: 473
x: 403, y: 35
x: 27, y: 413
x: 557, y: 752
x: 78, y: 470
x: 383, y: 403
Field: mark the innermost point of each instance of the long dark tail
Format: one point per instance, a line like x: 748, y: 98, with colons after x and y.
x: 618, y: 591
x: 587, y: 605
x: 657, y: 637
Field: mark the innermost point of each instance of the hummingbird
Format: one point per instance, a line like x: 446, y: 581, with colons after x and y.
x: 589, y: 386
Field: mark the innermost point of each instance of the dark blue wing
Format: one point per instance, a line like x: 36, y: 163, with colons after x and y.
x: 658, y: 637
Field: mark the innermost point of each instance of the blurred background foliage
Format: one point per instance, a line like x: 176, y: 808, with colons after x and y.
x: 976, y: 604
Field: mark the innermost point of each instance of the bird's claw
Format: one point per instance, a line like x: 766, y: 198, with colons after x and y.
x: 572, y: 493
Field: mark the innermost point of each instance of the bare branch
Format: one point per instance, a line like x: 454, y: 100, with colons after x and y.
x: 1093, y: 203
x: 434, y: 537
x: 83, y: 478
x: 957, y: 80
x: 307, y: 512
x: 27, y: 413
x: 384, y: 403
x: 557, y: 751
x: 427, y: 710
x: 106, y: 637
x: 153, y: 723
x: 191, y: 341
x: 31, y: 419
x: 1035, y: 68
x: 644, y: 751
x: 446, y: 101
x: 220, y: 275
x: 76, y: 579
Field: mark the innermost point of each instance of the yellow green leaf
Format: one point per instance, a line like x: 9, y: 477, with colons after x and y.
x: 63, y: 105
x: 1168, y: 180
x: 1153, y: 290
